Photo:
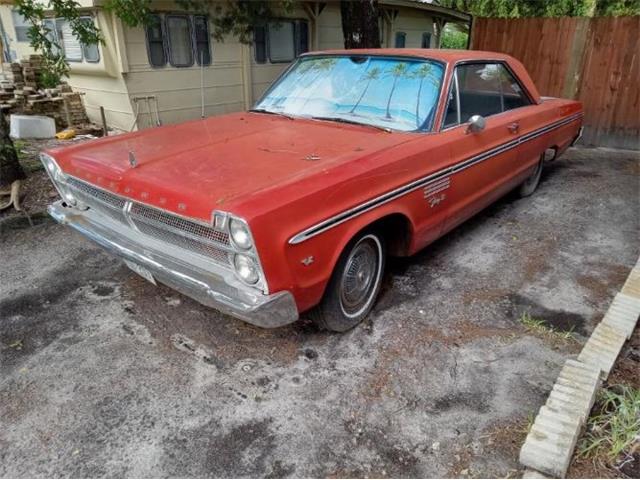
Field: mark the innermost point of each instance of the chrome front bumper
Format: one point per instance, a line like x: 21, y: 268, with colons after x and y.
x: 214, y: 286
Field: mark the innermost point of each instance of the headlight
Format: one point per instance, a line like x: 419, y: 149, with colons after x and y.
x: 246, y: 268
x: 240, y: 234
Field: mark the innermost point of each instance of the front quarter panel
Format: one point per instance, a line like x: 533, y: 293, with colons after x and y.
x: 305, y: 268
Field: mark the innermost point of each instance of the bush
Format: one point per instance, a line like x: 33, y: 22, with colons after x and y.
x: 453, y: 39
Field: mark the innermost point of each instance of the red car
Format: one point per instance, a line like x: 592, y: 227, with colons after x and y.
x: 350, y: 156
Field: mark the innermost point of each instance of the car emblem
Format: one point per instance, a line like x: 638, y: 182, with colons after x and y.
x: 132, y: 160
x: 307, y: 260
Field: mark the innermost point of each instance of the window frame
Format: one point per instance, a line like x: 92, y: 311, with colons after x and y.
x: 297, y: 51
x: 168, y: 39
x: 268, y: 40
x: 425, y: 35
x: 479, y: 62
x: 164, y: 43
x: 163, y: 16
x: 265, y: 57
x: 195, y: 39
x: 402, y: 35
x: 60, y: 39
x: 24, y: 29
x: 84, y: 46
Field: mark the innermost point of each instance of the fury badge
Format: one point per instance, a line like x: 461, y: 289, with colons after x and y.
x: 307, y: 261
x: 436, y: 200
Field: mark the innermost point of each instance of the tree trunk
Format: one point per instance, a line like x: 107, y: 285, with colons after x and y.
x: 360, y: 23
x: 10, y: 169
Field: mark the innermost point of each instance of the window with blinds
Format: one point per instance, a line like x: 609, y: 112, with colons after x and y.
x: 179, y: 40
x: 69, y: 43
x: 59, y: 32
x: 280, y: 41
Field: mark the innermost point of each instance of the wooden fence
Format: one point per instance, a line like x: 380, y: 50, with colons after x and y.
x: 594, y: 60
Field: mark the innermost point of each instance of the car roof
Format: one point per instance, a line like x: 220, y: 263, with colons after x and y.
x: 444, y: 55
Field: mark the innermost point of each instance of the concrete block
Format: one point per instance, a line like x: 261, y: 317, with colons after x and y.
x: 529, y: 473
x: 624, y: 324
x: 602, y: 348
x: 26, y: 126
x: 626, y: 302
x: 566, y: 418
x: 545, y: 456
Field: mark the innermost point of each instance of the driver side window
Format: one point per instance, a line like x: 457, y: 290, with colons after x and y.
x: 482, y: 89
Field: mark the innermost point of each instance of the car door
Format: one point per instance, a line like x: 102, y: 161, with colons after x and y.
x: 482, y: 159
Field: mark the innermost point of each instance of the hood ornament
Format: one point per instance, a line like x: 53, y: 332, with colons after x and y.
x: 132, y: 159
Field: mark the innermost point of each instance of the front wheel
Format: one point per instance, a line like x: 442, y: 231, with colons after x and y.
x: 530, y: 184
x: 354, y: 284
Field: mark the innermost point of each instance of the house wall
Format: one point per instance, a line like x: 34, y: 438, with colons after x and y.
x: 414, y: 23
x: 103, y: 83
x: 178, y: 90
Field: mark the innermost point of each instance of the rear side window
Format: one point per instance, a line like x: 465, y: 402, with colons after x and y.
x: 512, y: 93
x: 482, y: 89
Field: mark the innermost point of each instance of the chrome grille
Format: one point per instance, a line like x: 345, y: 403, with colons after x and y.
x: 173, y: 238
x: 155, y: 223
x: 158, y: 217
x: 101, y: 200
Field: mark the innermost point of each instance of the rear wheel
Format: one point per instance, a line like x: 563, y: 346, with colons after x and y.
x: 354, y: 284
x: 530, y: 184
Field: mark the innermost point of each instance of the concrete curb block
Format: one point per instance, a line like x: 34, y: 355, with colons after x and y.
x: 548, y: 448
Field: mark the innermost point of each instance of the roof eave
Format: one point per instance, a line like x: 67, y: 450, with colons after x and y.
x: 448, y: 14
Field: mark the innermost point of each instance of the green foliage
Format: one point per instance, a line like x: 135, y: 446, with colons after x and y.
x: 522, y: 8
x: 452, y: 38
x: 612, y: 428
x: 544, y: 8
x: 616, y: 8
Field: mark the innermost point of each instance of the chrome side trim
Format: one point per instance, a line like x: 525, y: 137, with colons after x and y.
x: 437, y: 187
x: 342, y: 217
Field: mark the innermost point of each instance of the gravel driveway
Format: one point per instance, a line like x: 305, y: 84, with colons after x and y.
x: 103, y: 374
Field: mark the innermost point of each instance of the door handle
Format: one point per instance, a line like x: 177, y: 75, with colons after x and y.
x: 514, y: 127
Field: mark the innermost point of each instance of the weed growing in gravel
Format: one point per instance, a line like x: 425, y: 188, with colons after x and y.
x: 613, y: 430
x: 540, y: 327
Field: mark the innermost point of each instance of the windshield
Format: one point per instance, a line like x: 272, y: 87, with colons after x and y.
x: 400, y: 94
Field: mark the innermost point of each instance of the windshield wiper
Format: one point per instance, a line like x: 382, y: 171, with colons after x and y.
x: 352, y: 122
x: 271, y: 112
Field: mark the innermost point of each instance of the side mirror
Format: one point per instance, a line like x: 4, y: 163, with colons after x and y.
x: 476, y: 124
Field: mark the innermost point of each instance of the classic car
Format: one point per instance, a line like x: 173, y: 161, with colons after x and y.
x: 293, y: 206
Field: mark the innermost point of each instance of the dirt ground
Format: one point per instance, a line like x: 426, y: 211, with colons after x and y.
x: 103, y: 374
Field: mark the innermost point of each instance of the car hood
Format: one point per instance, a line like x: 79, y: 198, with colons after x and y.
x: 198, y: 166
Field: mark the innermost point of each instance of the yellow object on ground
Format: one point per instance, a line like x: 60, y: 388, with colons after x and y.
x: 66, y: 134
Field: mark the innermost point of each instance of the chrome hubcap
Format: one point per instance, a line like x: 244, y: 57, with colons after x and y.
x: 359, y: 277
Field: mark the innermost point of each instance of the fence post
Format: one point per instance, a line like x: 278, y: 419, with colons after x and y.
x: 577, y: 56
